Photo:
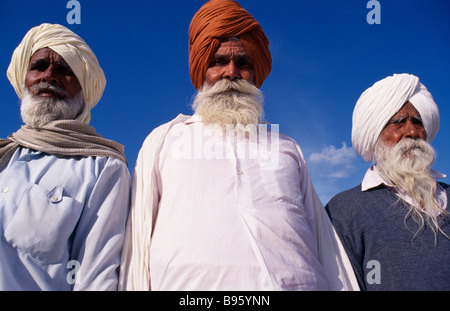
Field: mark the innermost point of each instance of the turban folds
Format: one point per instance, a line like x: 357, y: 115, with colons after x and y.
x: 378, y: 104
x: 220, y: 19
x: 72, y: 49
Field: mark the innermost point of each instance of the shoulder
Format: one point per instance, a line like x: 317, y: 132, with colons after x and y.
x: 446, y: 189
x: 345, y: 202
x: 117, y: 164
x: 288, y: 145
x: 354, y: 202
x: 343, y: 198
x: 444, y: 185
x: 160, y: 131
x: 108, y: 169
x: 356, y: 196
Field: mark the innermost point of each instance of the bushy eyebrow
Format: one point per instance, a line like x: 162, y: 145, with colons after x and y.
x: 45, y: 60
x: 402, y: 117
x: 243, y: 57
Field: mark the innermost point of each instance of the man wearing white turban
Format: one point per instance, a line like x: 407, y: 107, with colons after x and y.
x: 64, y: 189
x: 395, y: 224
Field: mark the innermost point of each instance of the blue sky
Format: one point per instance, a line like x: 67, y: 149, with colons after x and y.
x: 325, y: 55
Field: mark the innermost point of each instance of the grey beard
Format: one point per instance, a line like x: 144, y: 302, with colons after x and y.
x: 407, y: 167
x: 216, y: 104
x: 39, y: 111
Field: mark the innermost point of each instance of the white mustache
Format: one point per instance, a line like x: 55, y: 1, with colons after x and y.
x: 223, y: 86
x: 44, y: 86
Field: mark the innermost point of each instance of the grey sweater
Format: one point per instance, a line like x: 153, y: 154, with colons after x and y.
x: 381, y: 245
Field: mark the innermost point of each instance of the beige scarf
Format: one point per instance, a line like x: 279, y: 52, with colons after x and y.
x: 62, y: 138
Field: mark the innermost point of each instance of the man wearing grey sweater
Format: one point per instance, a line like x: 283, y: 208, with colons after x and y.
x: 395, y: 225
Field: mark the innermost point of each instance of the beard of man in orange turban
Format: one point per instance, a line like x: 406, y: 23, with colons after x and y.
x: 216, y: 21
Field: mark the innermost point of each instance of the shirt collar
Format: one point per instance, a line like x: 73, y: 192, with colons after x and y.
x: 193, y: 119
x: 372, y: 178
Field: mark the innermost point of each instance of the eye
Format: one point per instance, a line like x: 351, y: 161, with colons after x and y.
x: 417, y: 121
x: 66, y: 71
x: 218, y: 62
x: 39, y: 65
x: 63, y: 68
x: 244, y: 63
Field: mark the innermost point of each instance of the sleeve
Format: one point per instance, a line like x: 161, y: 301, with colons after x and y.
x: 99, y: 236
x: 351, y: 242
x: 332, y: 255
x: 135, y: 265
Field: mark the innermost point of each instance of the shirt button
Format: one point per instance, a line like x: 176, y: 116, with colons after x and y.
x: 28, y: 158
x: 240, y: 172
x: 53, y: 199
x: 5, y: 189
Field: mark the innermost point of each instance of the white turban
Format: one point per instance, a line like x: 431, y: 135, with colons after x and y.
x: 72, y: 49
x: 378, y: 104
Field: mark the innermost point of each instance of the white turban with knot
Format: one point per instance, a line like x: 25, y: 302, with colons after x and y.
x: 72, y: 49
x: 378, y: 104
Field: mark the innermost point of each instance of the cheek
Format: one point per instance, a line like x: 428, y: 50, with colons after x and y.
x: 423, y: 134
x: 30, y: 79
x: 212, y: 75
x: 390, y: 137
x: 72, y: 86
x: 248, y: 76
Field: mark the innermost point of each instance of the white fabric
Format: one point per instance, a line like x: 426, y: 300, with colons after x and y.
x: 373, y: 179
x: 379, y: 103
x: 58, y: 212
x: 231, y: 223
x: 72, y: 49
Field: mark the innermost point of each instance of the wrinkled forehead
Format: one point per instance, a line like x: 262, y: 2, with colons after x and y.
x: 231, y: 47
x: 408, y: 109
x: 47, y: 54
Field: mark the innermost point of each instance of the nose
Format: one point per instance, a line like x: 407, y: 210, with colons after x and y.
x: 231, y: 71
x: 411, y: 130
x: 50, y: 75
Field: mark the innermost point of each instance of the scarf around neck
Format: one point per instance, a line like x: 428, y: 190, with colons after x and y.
x: 62, y: 138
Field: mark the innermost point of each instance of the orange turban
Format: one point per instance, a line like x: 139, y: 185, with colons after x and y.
x: 220, y: 19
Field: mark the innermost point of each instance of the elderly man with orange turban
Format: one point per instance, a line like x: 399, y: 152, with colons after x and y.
x: 65, y: 189
x: 219, y: 200
x: 395, y: 224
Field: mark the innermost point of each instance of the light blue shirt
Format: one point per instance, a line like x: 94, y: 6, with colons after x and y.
x: 63, y: 221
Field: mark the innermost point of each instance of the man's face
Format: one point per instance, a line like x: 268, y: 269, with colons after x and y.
x: 231, y: 62
x: 406, y: 123
x: 49, y: 67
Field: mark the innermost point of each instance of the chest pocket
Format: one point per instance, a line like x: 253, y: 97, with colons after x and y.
x: 43, y: 223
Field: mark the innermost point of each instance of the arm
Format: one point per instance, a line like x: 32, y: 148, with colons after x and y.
x: 332, y: 255
x: 340, y: 216
x: 135, y: 265
x: 100, y: 232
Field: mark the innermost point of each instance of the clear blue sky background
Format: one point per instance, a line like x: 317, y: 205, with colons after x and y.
x: 325, y: 55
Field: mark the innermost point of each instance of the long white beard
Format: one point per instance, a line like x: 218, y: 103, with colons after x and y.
x: 38, y: 111
x: 407, y: 166
x: 229, y: 103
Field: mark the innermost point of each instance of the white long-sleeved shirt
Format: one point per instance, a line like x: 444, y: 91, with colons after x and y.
x: 226, y: 213
x: 62, y: 221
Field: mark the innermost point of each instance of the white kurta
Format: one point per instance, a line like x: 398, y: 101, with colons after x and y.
x: 227, y: 213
